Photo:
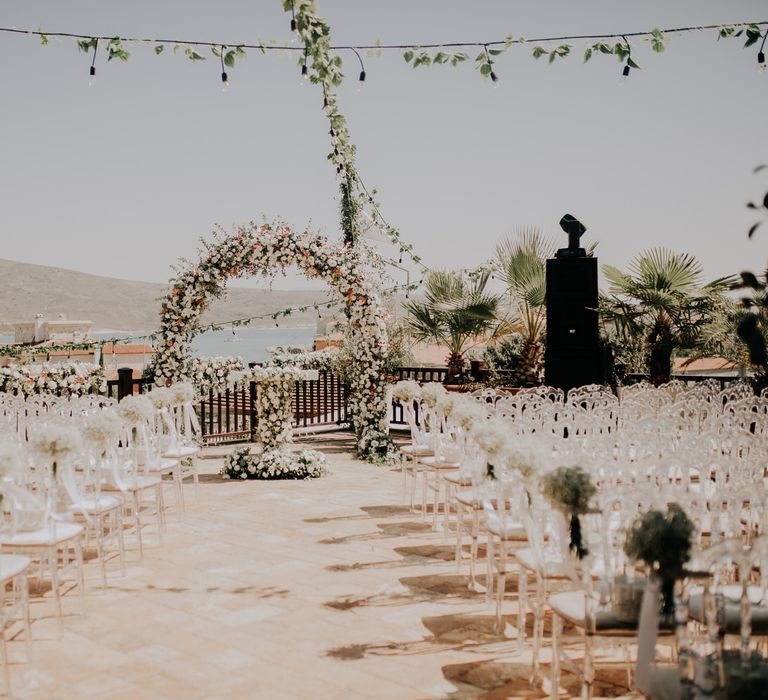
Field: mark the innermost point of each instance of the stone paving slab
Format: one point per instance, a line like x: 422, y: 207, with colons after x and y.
x: 322, y: 589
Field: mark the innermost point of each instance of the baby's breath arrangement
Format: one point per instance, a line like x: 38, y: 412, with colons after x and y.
x: 570, y: 489
x: 274, y: 464
x: 662, y: 541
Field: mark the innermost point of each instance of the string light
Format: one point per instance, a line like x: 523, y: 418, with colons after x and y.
x: 294, y: 25
x: 761, y: 54
x: 93, y: 62
x: 494, y: 78
x: 361, y: 79
x: 626, y: 69
x: 224, y: 77
x: 304, y: 69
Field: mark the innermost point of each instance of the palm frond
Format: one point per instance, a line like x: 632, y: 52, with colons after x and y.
x: 666, y: 270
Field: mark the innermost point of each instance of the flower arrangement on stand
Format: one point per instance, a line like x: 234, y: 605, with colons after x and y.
x: 60, y: 379
x: 274, y: 464
x: 272, y: 459
x: 570, y: 490
x: 662, y: 541
x: 266, y: 250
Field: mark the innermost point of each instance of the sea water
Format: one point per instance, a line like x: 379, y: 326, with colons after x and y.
x: 249, y: 343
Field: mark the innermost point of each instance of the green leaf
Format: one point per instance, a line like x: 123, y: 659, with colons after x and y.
x: 408, y: 56
x: 753, y: 35
x: 159, y: 49
x: 216, y: 51
x: 495, y: 52
x: 657, y: 46
x: 240, y: 52
x: 657, y: 33
x: 86, y: 45
x: 552, y: 57
x: 192, y: 55
x: 229, y: 59
x: 631, y: 63
x: 602, y: 47
x: 440, y: 57
x: 485, y: 69
x: 539, y: 51
x: 44, y: 40
x: 587, y: 54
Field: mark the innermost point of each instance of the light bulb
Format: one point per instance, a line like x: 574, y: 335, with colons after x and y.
x: 761, y: 62
x: 304, y: 73
x: 93, y: 76
x: 225, y: 82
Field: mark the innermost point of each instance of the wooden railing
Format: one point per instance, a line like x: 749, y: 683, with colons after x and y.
x: 230, y: 416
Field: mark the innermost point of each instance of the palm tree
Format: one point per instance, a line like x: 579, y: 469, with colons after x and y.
x: 662, y: 301
x: 456, y: 312
x: 521, y: 265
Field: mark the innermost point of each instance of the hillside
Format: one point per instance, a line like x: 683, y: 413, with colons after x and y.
x: 116, y: 304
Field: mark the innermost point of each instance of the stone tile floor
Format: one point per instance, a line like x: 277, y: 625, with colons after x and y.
x: 321, y: 589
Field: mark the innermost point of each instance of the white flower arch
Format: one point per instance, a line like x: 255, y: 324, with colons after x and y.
x: 263, y: 250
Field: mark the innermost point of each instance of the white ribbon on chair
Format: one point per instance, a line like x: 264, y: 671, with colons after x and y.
x: 648, y: 628
x: 191, y: 424
x: 173, y: 445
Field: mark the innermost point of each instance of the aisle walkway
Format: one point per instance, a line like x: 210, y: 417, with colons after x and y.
x: 321, y: 589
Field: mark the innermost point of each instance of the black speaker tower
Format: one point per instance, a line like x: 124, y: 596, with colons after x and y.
x: 574, y: 356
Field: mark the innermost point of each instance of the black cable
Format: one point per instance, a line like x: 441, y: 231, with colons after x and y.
x: 385, y: 47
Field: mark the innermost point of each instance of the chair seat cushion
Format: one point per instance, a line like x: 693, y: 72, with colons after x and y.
x: 49, y: 536
x: 94, y: 506
x: 182, y: 452
x: 508, y: 531
x: 435, y: 463
x: 12, y: 565
x: 552, y: 567
x: 732, y: 594
x: 417, y: 450
x: 571, y: 606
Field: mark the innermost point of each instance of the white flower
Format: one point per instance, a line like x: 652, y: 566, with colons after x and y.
x: 161, y: 397
x: 55, y: 441
x: 468, y: 413
x: 406, y: 391
x: 183, y: 392
x: 135, y: 409
x: 431, y: 393
x: 102, y: 428
x: 491, y: 437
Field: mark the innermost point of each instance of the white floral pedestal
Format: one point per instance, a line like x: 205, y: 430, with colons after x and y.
x: 272, y: 459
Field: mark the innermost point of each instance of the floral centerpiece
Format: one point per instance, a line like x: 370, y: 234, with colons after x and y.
x: 274, y: 464
x: 55, y: 443
x: 183, y: 393
x: 662, y: 541
x: 267, y: 250
x: 60, y: 379
x: 491, y: 436
x: 468, y: 414
x: 101, y: 430
x: 570, y: 490
x: 406, y: 392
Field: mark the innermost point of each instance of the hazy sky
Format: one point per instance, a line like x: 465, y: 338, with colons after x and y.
x: 121, y: 178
